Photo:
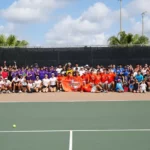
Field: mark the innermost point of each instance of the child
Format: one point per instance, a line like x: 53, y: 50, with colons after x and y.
x: 131, y: 83
x: 143, y: 87
x: 119, y: 87
x: 136, y: 87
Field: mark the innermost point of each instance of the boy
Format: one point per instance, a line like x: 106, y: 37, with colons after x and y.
x: 143, y: 87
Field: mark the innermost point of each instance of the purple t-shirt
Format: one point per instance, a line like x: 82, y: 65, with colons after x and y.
x: 41, y: 74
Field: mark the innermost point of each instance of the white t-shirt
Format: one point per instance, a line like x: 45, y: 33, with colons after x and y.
x: 38, y: 83
x: 53, y: 81
x: 144, y: 71
x: 78, y: 68
x: 22, y: 80
x: 134, y: 74
x: 59, y: 70
x: 1, y: 83
x: 31, y: 85
x: 46, y: 82
x: 7, y: 83
x: 81, y: 72
x: 101, y: 70
x: 16, y: 80
x: 143, y: 86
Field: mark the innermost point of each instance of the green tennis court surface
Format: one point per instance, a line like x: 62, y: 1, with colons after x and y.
x: 75, y: 126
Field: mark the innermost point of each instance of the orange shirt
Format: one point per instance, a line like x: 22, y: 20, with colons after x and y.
x: 104, y: 77
x: 85, y: 77
x: 92, y: 78
x: 68, y: 78
x: 111, y: 77
x: 98, y: 79
x: 87, y: 88
x: 59, y: 78
x: 78, y: 78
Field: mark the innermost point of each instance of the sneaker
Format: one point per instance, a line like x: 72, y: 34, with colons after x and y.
x: 8, y: 92
x: 20, y: 91
x: 3, y: 91
x: 13, y: 91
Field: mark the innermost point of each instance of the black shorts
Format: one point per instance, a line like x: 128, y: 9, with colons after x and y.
x: 52, y: 86
x: 44, y: 87
x: 24, y: 86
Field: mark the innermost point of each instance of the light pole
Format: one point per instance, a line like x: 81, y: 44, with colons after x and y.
x: 120, y: 15
x: 143, y: 14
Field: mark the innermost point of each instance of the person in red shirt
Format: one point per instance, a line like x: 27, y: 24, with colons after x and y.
x: 87, y: 88
x: 5, y: 73
x: 104, y: 79
x: 98, y: 81
x: 85, y: 77
x: 92, y: 77
x: 111, y: 80
x: 77, y: 82
x: 59, y: 79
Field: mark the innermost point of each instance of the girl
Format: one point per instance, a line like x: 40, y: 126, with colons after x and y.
x: 119, y: 87
x: 53, y: 83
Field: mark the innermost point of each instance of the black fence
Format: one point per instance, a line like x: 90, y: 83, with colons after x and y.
x: 81, y: 55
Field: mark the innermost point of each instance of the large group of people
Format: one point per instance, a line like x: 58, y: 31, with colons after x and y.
x: 74, y: 78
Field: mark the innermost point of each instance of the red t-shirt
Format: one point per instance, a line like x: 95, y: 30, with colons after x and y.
x: 85, y: 77
x: 111, y: 77
x: 104, y: 77
x: 92, y: 78
x: 4, y: 74
x: 59, y: 78
x: 98, y: 79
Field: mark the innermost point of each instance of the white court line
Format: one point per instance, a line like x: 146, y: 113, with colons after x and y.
x: 51, y: 131
x: 71, y: 140
x: 73, y: 101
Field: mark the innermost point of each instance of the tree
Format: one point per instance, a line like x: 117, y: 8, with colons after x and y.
x: 2, y: 40
x: 127, y: 39
x: 12, y: 41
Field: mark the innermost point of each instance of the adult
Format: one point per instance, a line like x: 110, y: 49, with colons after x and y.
x: 16, y: 84
x: 38, y: 84
x: 53, y: 83
x: 45, y: 83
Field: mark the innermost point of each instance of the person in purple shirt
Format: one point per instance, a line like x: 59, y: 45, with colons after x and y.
x: 46, y: 71
x: 29, y: 74
x: 14, y: 73
x: 37, y: 72
x: 41, y: 74
x: 33, y: 74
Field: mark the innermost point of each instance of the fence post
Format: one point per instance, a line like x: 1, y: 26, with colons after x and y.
x: 58, y: 60
x: 91, y: 56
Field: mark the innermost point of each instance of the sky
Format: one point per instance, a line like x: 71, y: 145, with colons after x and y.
x: 71, y: 22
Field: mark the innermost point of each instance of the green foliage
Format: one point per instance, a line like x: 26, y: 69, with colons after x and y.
x: 2, y: 40
x: 127, y: 39
x: 12, y: 41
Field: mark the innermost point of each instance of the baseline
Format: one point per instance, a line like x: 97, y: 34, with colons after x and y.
x: 71, y: 131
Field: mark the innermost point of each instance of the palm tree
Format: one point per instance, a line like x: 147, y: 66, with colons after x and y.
x: 12, y: 41
x: 127, y: 39
x: 21, y: 43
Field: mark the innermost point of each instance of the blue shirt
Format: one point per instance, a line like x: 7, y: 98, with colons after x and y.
x: 119, y: 86
x: 139, y: 77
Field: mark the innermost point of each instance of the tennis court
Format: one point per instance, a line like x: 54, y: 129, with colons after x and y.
x: 120, y: 125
